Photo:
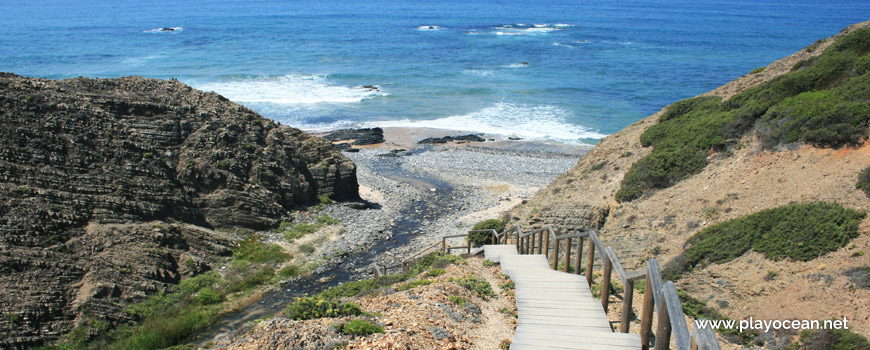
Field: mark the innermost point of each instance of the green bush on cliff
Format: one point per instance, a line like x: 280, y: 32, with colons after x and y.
x: 834, y: 339
x: 480, y: 238
x: 864, y: 181
x: 798, y: 231
x: 823, y: 102
x: 696, y: 309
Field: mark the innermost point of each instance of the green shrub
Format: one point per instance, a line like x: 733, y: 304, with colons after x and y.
x: 414, y: 284
x: 696, y: 309
x: 834, y: 339
x: 306, y: 248
x: 360, y: 327
x: 327, y: 220
x: 252, y: 280
x: 434, y: 260
x: 289, y: 271
x: 798, y: 231
x: 477, y: 285
x: 508, y: 285
x: 458, y: 300
x: 434, y: 272
x: 356, y: 288
x: 324, y: 199
x: 823, y: 101
x: 480, y: 238
x: 253, y: 249
x: 864, y: 181
x: 299, y: 230
x: 488, y: 263
x: 209, y: 296
x: 306, y: 308
x: 757, y: 70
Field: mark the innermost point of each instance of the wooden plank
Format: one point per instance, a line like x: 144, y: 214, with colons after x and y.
x: 605, y: 283
x: 617, y: 266
x: 704, y: 339
x: 585, y: 338
x: 655, y: 281
x: 568, y: 331
x: 678, y: 322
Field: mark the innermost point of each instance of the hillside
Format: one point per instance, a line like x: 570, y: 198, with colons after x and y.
x: 113, y: 189
x: 710, y: 176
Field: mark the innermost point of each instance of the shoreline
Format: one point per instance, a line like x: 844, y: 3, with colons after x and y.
x: 407, y: 137
x: 416, y: 196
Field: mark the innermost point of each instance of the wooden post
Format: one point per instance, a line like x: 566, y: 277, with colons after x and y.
x: 540, y: 241
x: 590, y: 260
x: 663, y: 332
x: 605, y: 282
x: 520, y: 245
x: 646, y: 314
x: 578, y: 258
x: 626, y: 307
x: 469, y: 246
x: 547, y: 244
x: 567, y: 253
x: 443, y: 245
x: 556, y: 255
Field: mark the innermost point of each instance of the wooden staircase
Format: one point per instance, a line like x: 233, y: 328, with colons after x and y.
x: 556, y: 309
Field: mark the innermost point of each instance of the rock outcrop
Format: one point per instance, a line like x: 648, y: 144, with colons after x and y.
x: 111, y: 189
x: 750, y: 179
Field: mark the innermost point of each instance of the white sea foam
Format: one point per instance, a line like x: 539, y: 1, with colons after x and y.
x: 516, y: 65
x: 528, y: 122
x: 562, y: 45
x: 479, y: 72
x: 164, y: 30
x: 583, y: 41
x: 563, y: 25
x: 427, y: 28
x: 290, y: 89
x: 524, y: 29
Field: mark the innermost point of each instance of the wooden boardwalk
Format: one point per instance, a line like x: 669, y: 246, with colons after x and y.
x: 556, y: 309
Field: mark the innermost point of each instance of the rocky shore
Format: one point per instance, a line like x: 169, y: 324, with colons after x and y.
x: 414, y: 196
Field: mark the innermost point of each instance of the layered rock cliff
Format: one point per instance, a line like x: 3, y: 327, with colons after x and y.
x: 744, y: 179
x: 111, y: 189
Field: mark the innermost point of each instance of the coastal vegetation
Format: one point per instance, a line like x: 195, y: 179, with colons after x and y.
x: 360, y: 327
x: 823, y: 101
x: 802, y: 232
x: 480, y: 238
x: 306, y: 308
x: 835, y: 339
x: 697, y: 309
x: 170, y: 317
x: 863, y: 183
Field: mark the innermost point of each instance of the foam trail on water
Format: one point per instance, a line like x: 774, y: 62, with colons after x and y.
x: 289, y: 89
x: 528, y: 122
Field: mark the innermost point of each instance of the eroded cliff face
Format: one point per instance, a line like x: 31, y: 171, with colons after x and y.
x: 732, y: 185
x: 111, y: 189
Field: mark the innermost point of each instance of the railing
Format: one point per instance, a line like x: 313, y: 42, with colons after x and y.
x: 379, y: 270
x: 659, y: 297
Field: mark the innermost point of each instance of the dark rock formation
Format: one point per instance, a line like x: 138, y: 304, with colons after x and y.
x: 359, y: 137
x: 446, y: 139
x: 110, y: 189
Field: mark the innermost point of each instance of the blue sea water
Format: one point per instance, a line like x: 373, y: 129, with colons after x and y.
x: 591, y: 67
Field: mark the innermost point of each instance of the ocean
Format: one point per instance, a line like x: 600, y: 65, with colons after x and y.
x: 567, y: 71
